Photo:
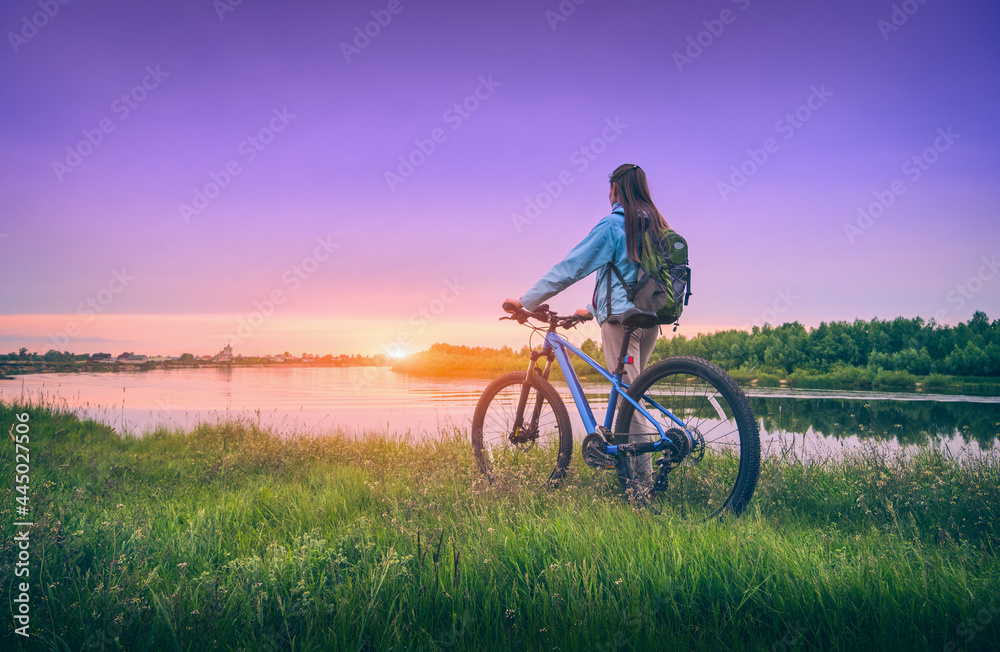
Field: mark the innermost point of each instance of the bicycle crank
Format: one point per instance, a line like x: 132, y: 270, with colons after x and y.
x: 593, y: 450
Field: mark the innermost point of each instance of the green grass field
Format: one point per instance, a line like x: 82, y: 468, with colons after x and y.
x: 227, y: 537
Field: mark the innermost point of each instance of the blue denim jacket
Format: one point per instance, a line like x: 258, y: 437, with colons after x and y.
x: 605, y: 243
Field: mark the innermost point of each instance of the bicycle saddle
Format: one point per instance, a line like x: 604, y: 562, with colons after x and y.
x: 633, y: 317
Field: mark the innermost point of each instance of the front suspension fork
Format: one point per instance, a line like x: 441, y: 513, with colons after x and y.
x: 522, y: 434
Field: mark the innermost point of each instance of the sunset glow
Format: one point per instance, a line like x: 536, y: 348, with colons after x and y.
x: 175, y: 176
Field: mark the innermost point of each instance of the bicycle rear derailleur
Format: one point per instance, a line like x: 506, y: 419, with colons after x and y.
x: 673, y: 456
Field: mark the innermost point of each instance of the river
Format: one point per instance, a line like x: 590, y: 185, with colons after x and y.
x: 318, y: 400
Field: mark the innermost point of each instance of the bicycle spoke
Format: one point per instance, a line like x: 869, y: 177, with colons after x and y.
x: 722, y: 470
x: 537, y: 452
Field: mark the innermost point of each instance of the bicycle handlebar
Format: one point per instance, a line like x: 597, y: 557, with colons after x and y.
x: 543, y: 314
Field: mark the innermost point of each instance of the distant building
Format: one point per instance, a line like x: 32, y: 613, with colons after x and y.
x: 280, y: 358
x: 225, y: 355
x: 131, y: 358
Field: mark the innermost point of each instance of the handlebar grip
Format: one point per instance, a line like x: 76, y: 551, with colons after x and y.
x: 509, y: 307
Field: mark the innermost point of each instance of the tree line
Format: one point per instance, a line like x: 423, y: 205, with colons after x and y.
x: 904, y: 345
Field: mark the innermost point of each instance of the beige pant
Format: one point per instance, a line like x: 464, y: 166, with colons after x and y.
x: 640, y: 347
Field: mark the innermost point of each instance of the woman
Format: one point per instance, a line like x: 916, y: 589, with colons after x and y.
x: 615, y: 240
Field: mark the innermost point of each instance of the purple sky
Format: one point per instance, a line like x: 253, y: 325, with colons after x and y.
x: 432, y: 255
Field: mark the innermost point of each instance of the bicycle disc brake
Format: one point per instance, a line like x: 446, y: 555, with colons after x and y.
x: 523, y: 438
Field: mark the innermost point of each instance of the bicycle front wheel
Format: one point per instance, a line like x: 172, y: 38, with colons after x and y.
x: 534, y: 449
x: 719, y: 473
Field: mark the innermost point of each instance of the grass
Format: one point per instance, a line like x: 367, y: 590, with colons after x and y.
x: 231, y: 537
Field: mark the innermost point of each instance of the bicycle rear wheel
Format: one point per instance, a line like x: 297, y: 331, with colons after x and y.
x: 536, y: 453
x: 720, y: 472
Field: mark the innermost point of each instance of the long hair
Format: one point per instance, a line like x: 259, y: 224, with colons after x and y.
x: 640, y: 212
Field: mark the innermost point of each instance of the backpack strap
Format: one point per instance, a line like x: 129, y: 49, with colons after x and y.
x: 630, y: 290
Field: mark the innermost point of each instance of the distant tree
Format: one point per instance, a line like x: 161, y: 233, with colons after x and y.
x: 590, y: 347
x: 187, y: 357
x: 979, y: 323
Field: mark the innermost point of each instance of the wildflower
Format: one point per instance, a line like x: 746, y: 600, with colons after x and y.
x: 194, y: 613
x: 183, y: 564
x: 120, y: 506
x: 618, y: 581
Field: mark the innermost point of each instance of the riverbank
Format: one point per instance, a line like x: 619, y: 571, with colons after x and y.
x: 11, y: 370
x: 228, y: 537
x: 447, y: 361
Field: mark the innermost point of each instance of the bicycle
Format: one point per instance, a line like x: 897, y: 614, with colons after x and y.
x: 686, y: 409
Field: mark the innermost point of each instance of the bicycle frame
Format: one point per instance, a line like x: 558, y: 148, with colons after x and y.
x: 559, y: 347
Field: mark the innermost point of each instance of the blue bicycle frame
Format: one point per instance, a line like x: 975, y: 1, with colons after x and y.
x: 561, y: 347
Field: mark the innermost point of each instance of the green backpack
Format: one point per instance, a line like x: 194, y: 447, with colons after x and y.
x: 664, y: 282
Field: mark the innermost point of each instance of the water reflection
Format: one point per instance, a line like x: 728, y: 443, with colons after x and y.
x: 321, y: 399
x: 904, y: 421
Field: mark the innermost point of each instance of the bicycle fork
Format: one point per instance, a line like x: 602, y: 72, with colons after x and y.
x: 522, y: 434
